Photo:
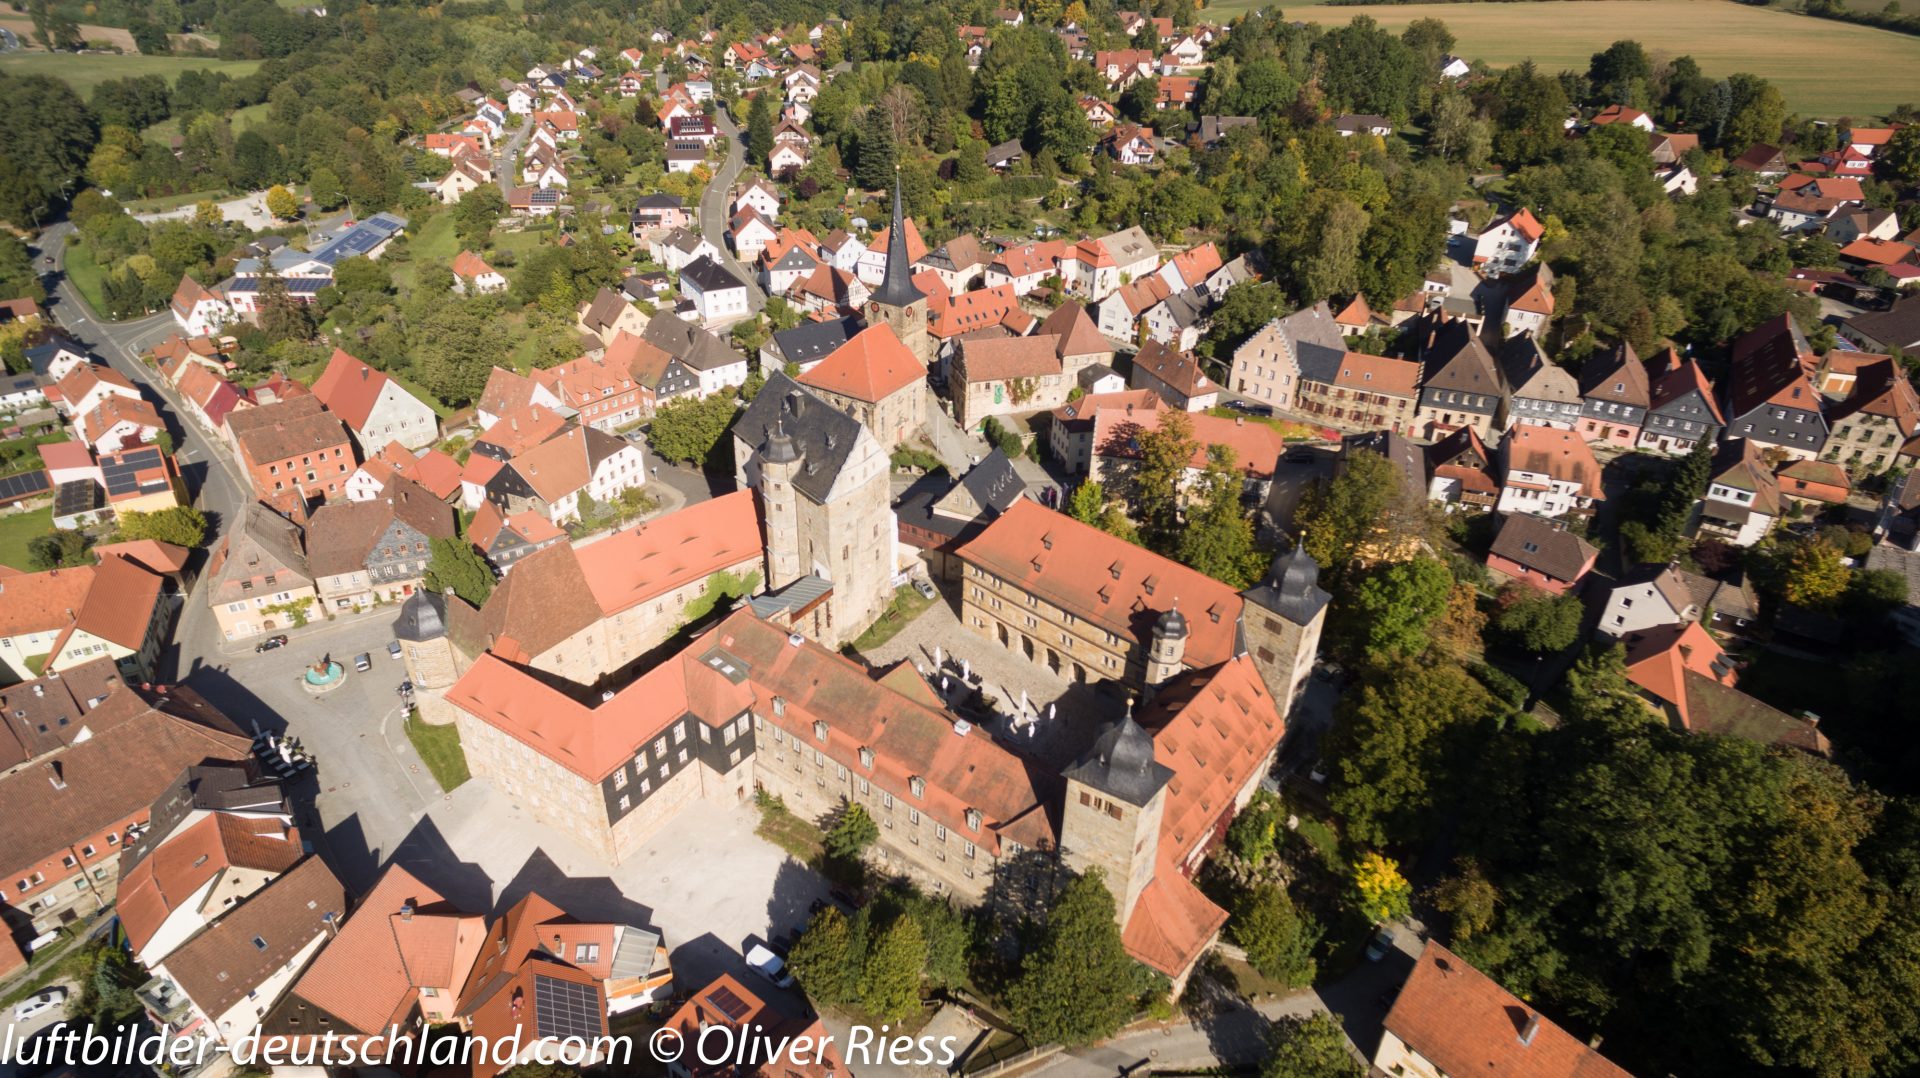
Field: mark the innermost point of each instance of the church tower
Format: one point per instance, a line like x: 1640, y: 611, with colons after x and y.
x: 1115, y: 796
x: 779, y: 461
x: 1282, y: 622
x: 898, y: 303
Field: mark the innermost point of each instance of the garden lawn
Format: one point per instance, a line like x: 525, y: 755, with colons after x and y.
x: 16, y: 529
x: 87, y: 276
x: 1807, y: 58
x: 87, y: 71
x: 439, y: 749
x: 907, y: 605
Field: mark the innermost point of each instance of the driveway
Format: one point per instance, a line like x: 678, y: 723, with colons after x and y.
x: 13, y: 1032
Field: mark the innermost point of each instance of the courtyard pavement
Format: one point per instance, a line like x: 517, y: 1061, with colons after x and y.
x: 1001, y: 676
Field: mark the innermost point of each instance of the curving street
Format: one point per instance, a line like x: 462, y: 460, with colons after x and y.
x: 713, y: 205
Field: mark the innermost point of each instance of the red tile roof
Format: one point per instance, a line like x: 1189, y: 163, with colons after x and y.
x: 1105, y: 579
x: 349, y: 388
x: 671, y: 551
x: 168, y: 877
x: 1256, y: 447
x: 871, y: 367
x: 1551, y: 451
x: 1463, y: 1023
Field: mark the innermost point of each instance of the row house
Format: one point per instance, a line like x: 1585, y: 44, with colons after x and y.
x: 294, y: 451
x: 1872, y: 409
x: 59, y: 619
x: 1461, y: 471
x: 1175, y: 376
x: 1120, y: 313
x: 1614, y: 396
x: 504, y: 540
x: 600, y: 390
x: 1266, y: 367
x: 1096, y: 267
x: 1683, y: 412
x: 258, y: 580
x: 365, y: 552
x: 1540, y: 391
x: 552, y: 477
x: 1354, y: 391
x: 1460, y: 385
x: 1771, y: 399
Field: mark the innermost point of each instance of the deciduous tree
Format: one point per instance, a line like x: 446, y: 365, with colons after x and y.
x: 1077, y: 984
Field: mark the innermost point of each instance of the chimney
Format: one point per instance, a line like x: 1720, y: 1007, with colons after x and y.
x: 55, y: 775
x: 332, y: 921
x: 406, y: 911
x: 363, y: 374
x: 1532, y: 1027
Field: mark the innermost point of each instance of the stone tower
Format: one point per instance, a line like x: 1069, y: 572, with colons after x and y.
x: 898, y: 302
x: 780, y: 461
x: 1282, y: 622
x: 1167, y: 650
x: 432, y: 663
x: 1115, y: 794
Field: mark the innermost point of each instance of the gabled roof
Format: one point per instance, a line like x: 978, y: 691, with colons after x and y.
x: 871, y: 367
x: 1533, y: 376
x: 670, y: 551
x: 1561, y: 454
x: 688, y: 343
x: 1681, y: 377
x: 1543, y: 545
x: 1179, y: 370
x: 1617, y: 376
x: 1770, y: 365
x: 244, y: 947
x: 1462, y: 1022
x: 823, y: 435
x: 350, y: 388
x: 1106, y: 580
x: 1456, y: 359
x: 565, y: 463
x: 286, y: 428
x: 154, y: 886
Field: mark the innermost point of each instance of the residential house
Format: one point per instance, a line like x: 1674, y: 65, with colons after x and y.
x: 1529, y: 302
x: 1450, y: 1018
x: 960, y: 263
x: 198, y: 310
x: 83, y: 387
x: 258, y: 579
x: 472, y: 275
x: 375, y: 407
x: 1460, y: 385
x: 1683, y: 412
x: 1175, y: 377
x: 750, y: 233
x: 1623, y: 114
x: 1543, y: 392
x: 117, y: 423
x: 608, y: 315
x: 364, y: 552
x: 1541, y: 552
x: 1805, y: 203
x: 658, y: 210
x: 550, y: 478
x: 1095, y: 268
x: 678, y: 248
x: 508, y: 391
x: 1350, y: 125
x: 1883, y: 331
x: 1771, y: 399
x: 55, y: 357
x: 1026, y: 267
x: 466, y: 175
x: 294, y: 451
x: 1071, y: 426
x: 85, y: 764
x: 1547, y: 472
x: 1743, y: 498
x: 1653, y: 596
x: 1614, y: 396
x: 600, y: 391
x: 1176, y: 321
x: 1682, y: 673
x: 1872, y: 409
x: 712, y: 360
x: 142, y: 480
x: 1210, y: 131
x: 1355, y: 391
x: 872, y: 266
x: 1508, y: 244
x: 57, y: 620
x: 1266, y: 367
x: 504, y: 540
x: 1460, y: 471
x: 215, y: 837
x: 725, y: 1003
x: 1813, y: 484
x: 717, y: 295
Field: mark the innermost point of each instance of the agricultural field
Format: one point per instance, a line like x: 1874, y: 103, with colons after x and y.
x: 1807, y: 58
x: 84, y: 72
x: 240, y: 119
x: 105, y: 35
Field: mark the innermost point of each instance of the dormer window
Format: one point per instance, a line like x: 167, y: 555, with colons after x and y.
x: 1046, y: 541
x: 918, y: 786
x: 779, y: 706
x: 1114, y: 570
x: 866, y: 758
x: 820, y: 730
x: 973, y: 819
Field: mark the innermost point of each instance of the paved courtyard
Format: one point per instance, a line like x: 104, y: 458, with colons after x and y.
x: 1059, y: 719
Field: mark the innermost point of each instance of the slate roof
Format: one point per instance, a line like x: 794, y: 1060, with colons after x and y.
x: 822, y: 434
x: 809, y: 341
x: 709, y: 276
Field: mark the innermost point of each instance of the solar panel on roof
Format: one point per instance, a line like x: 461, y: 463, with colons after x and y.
x: 24, y: 485
x: 727, y: 1003
x: 565, y: 1009
x: 78, y: 496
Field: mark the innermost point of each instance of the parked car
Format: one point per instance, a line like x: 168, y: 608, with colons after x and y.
x: 363, y: 662
x: 40, y: 1004
x: 1380, y: 945
x: 393, y: 649
x: 769, y: 965
x: 269, y: 644
x: 924, y: 586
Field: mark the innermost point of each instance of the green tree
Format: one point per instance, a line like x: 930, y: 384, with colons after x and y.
x: 182, y: 525
x: 823, y: 959
x: 1364, y: 504
x: 1621, y: 74
x: 1810, y: 573
x: 1390, y: 611
x: 851, y: 834
x: 759, y: 130
x: 455, y: 566
x: 1537, y: 621
x: 691, y: 429
x: 1331, y: 264
x: 1395, y: 744
x: 1310, y: 1047
x: 1155, y: 485
x: 1279, y: 941
x: 455, y: 348
x: 1469, y: 898
x: 1077, y: 985
x: 323, y: 186
x: 282, y: 203
x: 1217, y: 538
x: 890, y: 981
x: 1251, y: 834
x: 60, y: 548
x: 1898, y: 161
x: 476, y: 213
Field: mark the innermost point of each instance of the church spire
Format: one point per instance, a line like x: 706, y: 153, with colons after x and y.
x: 897, y: 288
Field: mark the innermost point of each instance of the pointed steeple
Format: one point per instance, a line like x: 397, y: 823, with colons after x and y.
x: 897, y: 288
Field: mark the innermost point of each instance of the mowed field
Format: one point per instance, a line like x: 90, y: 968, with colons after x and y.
x: 1817, y: 63
x: 88, y: 70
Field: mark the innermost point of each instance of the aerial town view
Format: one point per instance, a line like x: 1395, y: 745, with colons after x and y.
x: 866, y: 539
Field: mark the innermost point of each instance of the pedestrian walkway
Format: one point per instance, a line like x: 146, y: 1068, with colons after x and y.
x: 957, y: 449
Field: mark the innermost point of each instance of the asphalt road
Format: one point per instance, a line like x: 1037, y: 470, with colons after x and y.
x: 713, y: 205
x: 506, y: 168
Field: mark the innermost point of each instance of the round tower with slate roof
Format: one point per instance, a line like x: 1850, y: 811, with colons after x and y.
x: 1115, y: 797
x: 1167, y: 650
x: 1282, y: 622
x: 898, y: 302
x: 780, y: 461
x: 432, y: 663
